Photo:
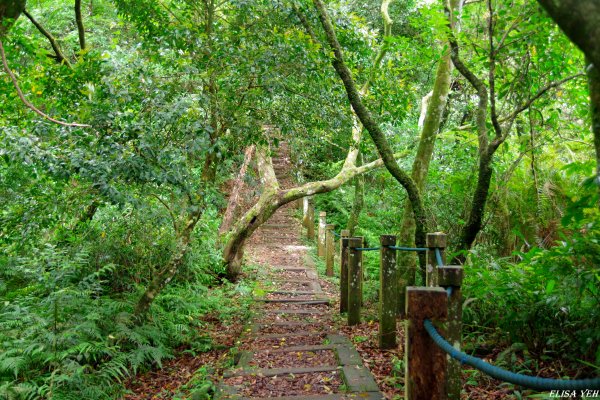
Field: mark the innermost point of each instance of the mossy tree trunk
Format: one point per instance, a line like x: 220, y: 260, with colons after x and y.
x: 273, y: 197
x: 167, y: 272
x: 359, y: 200
x: 433, y: 113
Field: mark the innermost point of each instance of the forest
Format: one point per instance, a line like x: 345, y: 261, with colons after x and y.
x: 188, y: 186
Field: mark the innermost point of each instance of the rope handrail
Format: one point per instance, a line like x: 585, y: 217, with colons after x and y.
x: 366, y: 248
x: 438, y: 257
x: 402, y: 248
x: 335, y: 233
x: 531, y: 382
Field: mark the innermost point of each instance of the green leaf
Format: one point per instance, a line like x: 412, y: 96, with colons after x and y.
x: 550, y: 286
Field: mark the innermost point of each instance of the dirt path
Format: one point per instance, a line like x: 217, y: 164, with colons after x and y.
x: 292, y: 350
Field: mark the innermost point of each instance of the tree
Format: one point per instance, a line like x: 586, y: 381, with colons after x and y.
x: 502, y: 125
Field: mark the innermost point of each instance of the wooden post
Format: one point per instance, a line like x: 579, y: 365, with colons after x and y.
x: 329, y: 249
x: 321, y: 238
x: 452, y: 276
x: 388, y: 293
x: 344, y: 270
x: 425, y: 377
x: 310, y: 220
x: 437, y: 239
x: 354, y: 279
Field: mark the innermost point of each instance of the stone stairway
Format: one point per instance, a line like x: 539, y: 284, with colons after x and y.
x: 292, y: 350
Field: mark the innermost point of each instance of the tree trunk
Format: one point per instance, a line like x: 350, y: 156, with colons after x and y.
x: 79, y: 21
x: 594, y: 85
x: 164, y: 276
x: 233, y: 253
x: 407, y: 261
x: 480, y: 196
x: 359, y: 199
x: 209, y: 171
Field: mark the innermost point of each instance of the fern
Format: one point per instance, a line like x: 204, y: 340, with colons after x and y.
x: 12, y: 365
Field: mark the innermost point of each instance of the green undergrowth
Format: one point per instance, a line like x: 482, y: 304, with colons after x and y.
x: 67, y: 324
x: 547, y: 305
x: 69, y: 345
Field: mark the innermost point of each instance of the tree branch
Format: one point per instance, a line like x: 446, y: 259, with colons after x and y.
x: 539, y: 94
x: 477, y: 84
x: 175, y: 227
x: 305, y: 23
x: 25, y: 101
x: 60, y: 57
x: 492, y: 72
x: 79, y: 21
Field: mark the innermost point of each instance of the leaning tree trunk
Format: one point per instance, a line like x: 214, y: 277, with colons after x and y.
x: 273, y: 197
x: 233, y: 253
x: 238, y: 187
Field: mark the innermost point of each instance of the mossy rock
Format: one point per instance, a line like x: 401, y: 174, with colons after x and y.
x: 10, y: 10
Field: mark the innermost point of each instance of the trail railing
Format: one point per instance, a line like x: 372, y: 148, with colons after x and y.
x: 433, y: 314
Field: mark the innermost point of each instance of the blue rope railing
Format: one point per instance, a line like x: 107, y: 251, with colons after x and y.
x: 438, y: 257
x: 401, y: 248
x: 531, y: 382
x: 335, y: 234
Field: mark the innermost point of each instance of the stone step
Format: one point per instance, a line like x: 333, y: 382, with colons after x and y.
x: 295, y: 301
x: 305, y: 281
x: 278, y: 371
x: 285, y: 335
x: 339, y: 396
x: 293, y: 349
x: 289, y: 269
x: 275, y: 226
x: 298, y: 292
x: 301, y: 312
